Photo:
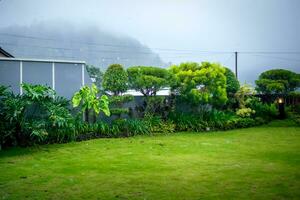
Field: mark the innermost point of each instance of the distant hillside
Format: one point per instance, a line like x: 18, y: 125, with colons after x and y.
x: 64, y: 41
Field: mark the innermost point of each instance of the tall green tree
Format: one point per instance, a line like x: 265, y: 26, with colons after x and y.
x: 277, y: 81
x: 232, y: 84
x: 203, y: 83
x: 115, y: 79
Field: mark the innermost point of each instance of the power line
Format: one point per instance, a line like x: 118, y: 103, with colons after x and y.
x: 113, y: 45
x: 275, y: 57
x: 101, y: 51
x: 269, y: 52
x: 159, y: 49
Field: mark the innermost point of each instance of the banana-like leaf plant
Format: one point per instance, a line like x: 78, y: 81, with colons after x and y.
x: 88, y: 99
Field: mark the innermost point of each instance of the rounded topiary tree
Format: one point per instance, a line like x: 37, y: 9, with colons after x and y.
x: 277, y: 81
x: 148, y: 80
x: 115, y: 79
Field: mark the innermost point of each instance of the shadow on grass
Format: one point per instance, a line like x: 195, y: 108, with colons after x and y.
x: 22, y: 151
x: 281, y: 123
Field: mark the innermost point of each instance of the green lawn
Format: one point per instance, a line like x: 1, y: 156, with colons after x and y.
x: 254, y: 163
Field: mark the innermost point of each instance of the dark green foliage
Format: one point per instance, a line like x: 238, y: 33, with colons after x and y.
x: 119, y: 111
x: 277, y: 81
x: 85, y: 131
x: 232, y: 84
x: 124, y: 128
x: 119, y: 128
x: 155, y: 105
x: 34, y: 117
x: 38, y: 93
x: 158, y: 125
x: 263, y: 110
x: 208, y: 120
x: 116, y: 104
x: 296, y: 119
x: 148, y: 80
x: 212, y: 120
x: 120, y: 99
x: 115, y: 79
x: 130, y: 127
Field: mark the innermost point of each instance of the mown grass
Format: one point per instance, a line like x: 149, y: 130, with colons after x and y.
x: 254, y: 163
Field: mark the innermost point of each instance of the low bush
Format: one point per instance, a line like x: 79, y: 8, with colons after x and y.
x: 158, y: 125
x: 214, y: 120
x: 245, y: 112
x: 130, y: 127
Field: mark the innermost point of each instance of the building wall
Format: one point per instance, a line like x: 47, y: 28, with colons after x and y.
x: 67, y: 75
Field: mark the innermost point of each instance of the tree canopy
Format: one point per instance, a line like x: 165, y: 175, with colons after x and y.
x: 200, y: 83
x: 232, y: 84
x: 277, y: 81
x: 148, y: 80
x: 115, y: 79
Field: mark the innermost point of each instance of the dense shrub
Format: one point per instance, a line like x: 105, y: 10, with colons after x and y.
x: 35, y: 117
x: 232, y: 86
x: 213, y: 120
x: 264, y: 110
x: 158, y: 125
x: 116, y: 104
x: 245, y: 112
x: 296, y: 119
x: 131, y: 127
x: 200, y: 84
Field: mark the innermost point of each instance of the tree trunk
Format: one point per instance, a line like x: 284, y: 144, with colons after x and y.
x: 87, y: 116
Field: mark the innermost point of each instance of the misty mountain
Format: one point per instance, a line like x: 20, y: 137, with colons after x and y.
x: 62, y: 40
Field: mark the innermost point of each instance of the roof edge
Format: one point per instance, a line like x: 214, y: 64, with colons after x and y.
x: 6, y: 53
x: 43, y: 60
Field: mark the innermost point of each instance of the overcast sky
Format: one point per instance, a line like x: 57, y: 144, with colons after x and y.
x: 202, y: 25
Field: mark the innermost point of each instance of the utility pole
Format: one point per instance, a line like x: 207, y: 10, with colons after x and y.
x: 236, y: 63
